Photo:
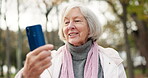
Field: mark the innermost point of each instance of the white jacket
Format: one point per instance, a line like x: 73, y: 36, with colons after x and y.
x: 110, y: 61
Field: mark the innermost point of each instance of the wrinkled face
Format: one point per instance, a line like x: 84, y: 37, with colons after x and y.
x: 76, y: 28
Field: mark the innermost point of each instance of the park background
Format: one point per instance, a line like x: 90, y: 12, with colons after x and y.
x: 124, y: 22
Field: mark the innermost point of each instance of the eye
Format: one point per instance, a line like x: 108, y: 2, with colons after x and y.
x: 77, y: 20
x: 66, y: 22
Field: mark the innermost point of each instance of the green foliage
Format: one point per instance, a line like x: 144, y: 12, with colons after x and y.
x: 140, y: 8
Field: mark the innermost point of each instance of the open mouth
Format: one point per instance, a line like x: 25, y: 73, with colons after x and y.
x: 73, y: 34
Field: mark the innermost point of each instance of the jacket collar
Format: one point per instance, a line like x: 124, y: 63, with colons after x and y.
x: 111, y: 54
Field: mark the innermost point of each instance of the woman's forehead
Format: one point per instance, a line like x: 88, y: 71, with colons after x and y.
x: 75, y: 13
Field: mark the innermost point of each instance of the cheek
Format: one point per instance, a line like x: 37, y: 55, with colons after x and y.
x: 85, y: 30
x: 85, y: 33
x: 64, y: 31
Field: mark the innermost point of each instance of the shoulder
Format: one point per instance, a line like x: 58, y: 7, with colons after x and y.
x: 109, y: 51
x: 55, y: 53
x: 111, y: 54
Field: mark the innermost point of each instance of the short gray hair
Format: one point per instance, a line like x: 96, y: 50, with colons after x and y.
x: 92, y: 20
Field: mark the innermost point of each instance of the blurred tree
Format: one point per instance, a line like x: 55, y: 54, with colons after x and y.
x: 0, y: 7
x: 123, y: 17
x: 25, y: 48
x: 8, y: 52
x: 48, y: 8
x: 138, y: 10
x: 1, y: 58
x: 13, y: 45
x: 19, y: 49
x: 50, y: 36
x: 113, y: 35
x: 2, y: 53
x: 54, y: 3
x: 7, y: 37
x: 7, y: 44
x: 13, y: 50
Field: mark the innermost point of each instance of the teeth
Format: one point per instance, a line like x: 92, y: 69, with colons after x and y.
x: 72, y: 34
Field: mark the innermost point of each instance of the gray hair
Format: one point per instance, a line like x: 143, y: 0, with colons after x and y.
x: 92, y: 20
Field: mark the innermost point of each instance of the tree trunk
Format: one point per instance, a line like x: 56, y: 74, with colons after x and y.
x: 141, y: 36
x: 8, y: 52
x: 7, y: 44
x: 2, y: 54
x: 127, y: 45
x: 19, y: 49
x: 1, y: 66
x: 46, y: 32
x: 123, y: 18
x: 2, y: 59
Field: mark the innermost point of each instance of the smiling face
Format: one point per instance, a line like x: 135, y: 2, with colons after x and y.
x: 76, y: 28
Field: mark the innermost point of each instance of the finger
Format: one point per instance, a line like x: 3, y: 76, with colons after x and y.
x: 42, y: 48
x: 41, y: 69
x: 45, y: 61
x: 42, y: 65
x: 43, y: 55
x: 32, y: 60
x: 39, y: 63
x: 45, y: 64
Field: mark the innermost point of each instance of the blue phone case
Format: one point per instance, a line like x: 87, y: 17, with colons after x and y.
x: 35, y: 36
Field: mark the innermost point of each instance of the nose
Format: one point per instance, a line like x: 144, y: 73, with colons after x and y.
x: 71, y: 25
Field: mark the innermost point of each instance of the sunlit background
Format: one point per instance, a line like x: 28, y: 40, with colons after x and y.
x: 33, y: 12
x: 124, y: 25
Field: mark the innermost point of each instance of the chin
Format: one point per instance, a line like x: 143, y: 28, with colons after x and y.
x: 75, y: 43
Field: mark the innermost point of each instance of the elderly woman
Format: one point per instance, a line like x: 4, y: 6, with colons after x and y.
x: 80, y: 57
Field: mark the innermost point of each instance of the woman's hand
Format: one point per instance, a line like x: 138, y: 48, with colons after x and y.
x: 37, y: 61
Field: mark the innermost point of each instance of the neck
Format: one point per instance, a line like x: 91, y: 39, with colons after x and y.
x: 80, y: 52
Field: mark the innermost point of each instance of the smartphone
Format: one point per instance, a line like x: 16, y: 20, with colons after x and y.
x: 35, y: 36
